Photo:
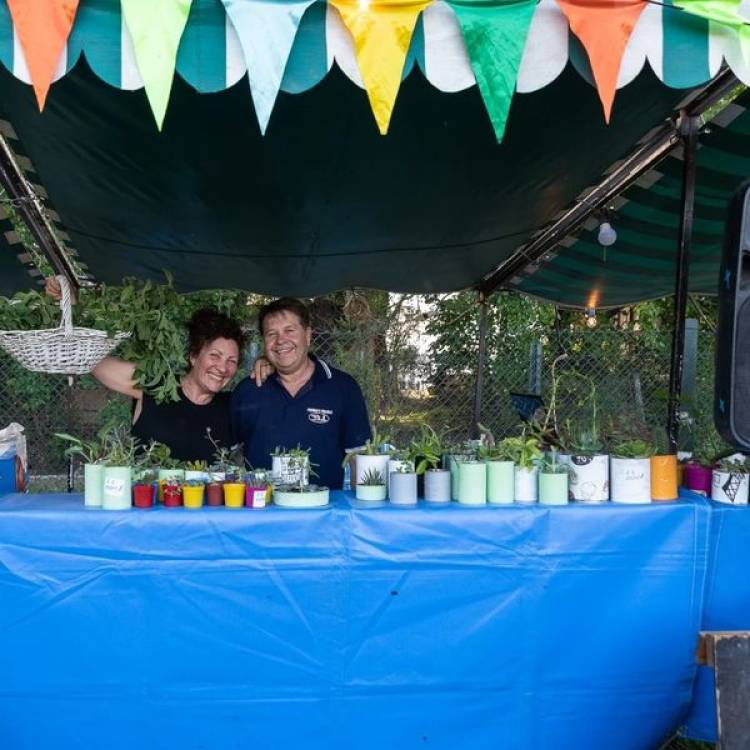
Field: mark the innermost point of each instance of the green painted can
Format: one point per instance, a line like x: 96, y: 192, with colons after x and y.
x: 117, y: 493
x: 472, y: 483
x: 553, y: 489
x: 500, y: 482
x: 93, y: 485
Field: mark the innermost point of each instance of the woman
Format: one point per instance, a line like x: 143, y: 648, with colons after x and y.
x: 215, y: 342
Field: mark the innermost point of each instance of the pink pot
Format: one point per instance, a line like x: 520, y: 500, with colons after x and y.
x: 697, y: 478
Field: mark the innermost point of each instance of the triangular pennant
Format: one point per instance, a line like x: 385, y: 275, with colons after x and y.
x: 382, y: 33
x: 731, y: 13
x: 156, y: 29
x: 43, y: 28
x: 604, y: 28
x: 495, y: 34
x: 266, y: 32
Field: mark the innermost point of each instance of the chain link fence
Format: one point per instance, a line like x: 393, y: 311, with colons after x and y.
x: 405, y: 386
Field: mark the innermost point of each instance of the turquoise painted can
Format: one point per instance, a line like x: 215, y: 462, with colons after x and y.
x: 117, y: 494
x: 93, y: 485
x: 501, y: 478
x: 472, y: 483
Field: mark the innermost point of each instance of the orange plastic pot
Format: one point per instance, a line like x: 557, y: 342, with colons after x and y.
x: 663, y: 478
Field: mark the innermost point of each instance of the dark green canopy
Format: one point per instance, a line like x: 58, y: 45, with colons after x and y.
x: 322, y: 201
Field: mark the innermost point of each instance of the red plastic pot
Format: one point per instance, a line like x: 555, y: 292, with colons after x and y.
x: 697, y: 478
x: 214, y: 494
x: 172, y: 496
x: 143, y: 495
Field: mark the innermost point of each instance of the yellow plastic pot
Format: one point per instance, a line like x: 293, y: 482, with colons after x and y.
x: 234, y: 494
x: 663, y: 478
x: 192, y: 495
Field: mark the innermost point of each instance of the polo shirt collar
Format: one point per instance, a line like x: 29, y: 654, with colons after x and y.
x: 321, y: 373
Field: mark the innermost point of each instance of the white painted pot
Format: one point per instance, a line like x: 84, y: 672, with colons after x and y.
x: 437, y: 486
x: 630, y: 480
x: 403, y: 488
x: 526, y: 485
x: 117, y: 488
x: 378, y: 462
x: 395, y: 465
x: 282, y: 471
x: 314, y: 499
x: 589, y: 477
x: 729, y: 487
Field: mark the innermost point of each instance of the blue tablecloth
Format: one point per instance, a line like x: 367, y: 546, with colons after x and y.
x: 433, y: 627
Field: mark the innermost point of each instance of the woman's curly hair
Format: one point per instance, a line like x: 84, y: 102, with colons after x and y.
x: 208, y: 324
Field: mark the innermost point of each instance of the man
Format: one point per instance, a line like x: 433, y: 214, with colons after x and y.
x: 305, y: 402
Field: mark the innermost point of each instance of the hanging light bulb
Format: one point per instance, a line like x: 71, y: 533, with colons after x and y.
x: 607, y: 235
x: 591, y: 317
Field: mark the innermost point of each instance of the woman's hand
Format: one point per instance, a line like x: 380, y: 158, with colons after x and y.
x: 261, y: 371
x: 52, y: 289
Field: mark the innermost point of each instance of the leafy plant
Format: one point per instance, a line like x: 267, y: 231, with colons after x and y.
x: 160, y: 456
x: 119, y: 447
x: 89, y: 451
x: 632, y: 449
x: 734, y: 464
x: 372, y: 478
x: 505, y: 450
x: 196, y: 465
x: 525, y: 450
x: 426, y: 449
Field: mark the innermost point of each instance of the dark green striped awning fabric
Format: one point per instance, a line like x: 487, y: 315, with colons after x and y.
x: 641, y: 263
x: 15, y: 266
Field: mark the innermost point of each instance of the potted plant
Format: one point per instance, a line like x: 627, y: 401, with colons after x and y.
x: 171, y: 492
x: 403, y: 485
x: 630, y: 473
x: 196, y: 471
x: 663, y: 471
x: 119, y: 455
x: 193, y: 492
x: 589, y: 465
x: 91, y: 453
x: 398, y: 460
x: 527, y: 453
x: 427, y: 449
x: 257, y: 488
x: 300, y: 494
x: 553, y: 480
x: 730, y: 480
x: 371, y: 487
x: 290, y: 466
x: 169, y: 468
x: 500, y: 468
x: 455, y: 454
x: 369, y: 456
x: 145, y: 486
x: 472, y: 481
x: 708, y: 449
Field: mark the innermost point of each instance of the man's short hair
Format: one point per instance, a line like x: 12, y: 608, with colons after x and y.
x: 285, y: 304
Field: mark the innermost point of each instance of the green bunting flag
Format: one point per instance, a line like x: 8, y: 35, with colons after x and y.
x: 156, y: 29
x: 723, y: 12
x: 495, y: 34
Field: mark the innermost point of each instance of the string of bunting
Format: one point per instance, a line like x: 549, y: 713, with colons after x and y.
x: 494, y: 37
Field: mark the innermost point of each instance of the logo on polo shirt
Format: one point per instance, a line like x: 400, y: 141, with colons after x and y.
x: 319, y: 416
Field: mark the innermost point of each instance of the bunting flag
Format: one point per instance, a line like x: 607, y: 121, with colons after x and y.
x: 43, y: 28
x: 604, y: 28
x: 382, y: 32
x: 495, y: 35
x: 729, y: 13
x: 156, y: 29
x: 266, y: 31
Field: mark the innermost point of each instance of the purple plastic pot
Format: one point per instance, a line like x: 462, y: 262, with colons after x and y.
x: 697, y: 478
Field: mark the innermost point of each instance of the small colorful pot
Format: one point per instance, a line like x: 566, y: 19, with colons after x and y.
x: 171, y: 495
x: 177, y: 475
x: 257, y: 495
x: 697, y: 478
x: 663, y: 478
x: 214, y: 494
x: 192, y: 495
x: 234, y: 494
x: 143, y: 495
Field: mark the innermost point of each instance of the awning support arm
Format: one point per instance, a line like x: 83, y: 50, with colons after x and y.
x: 481, y: 357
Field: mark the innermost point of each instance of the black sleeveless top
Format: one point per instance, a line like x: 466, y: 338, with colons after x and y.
x: 182, y: 426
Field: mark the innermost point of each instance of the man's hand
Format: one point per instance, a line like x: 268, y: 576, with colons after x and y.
x: 261, y: 371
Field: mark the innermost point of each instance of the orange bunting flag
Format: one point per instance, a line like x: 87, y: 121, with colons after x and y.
x: 43, y: 28
x: 604, y: 28
x: 382, y: 31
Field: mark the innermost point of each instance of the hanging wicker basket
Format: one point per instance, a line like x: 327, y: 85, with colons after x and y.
x: 64, y: 350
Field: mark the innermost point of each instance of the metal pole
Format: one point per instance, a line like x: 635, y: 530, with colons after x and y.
x: 477, y: 413
x: 689, y: 132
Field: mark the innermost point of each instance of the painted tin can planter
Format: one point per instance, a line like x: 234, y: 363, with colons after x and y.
x: 214, y: 494
x: 630, y: 480
x: 379, y: 463
x: 526, y: 481
x: 143, y: 495
x: 729, y: 487
x: 317, y: 498
x: 196, y: 476
x: 370, y: 492
x: 234, y: 494
x: 395, y: 465
x: 93, y: 485
x: 171, y: 495
x: 697, y: 478
x: 589, y: 477
x: 437, y: 486
x: 453, y: 461
x: 553, y: 489
x: 663, y: 478
x: 257, y: 496
x: 117, y: 488
x: 192, y: 495
x: 283, y: 470
x: 501, y: 482
x: 472, y: 483
x: 403, y: 488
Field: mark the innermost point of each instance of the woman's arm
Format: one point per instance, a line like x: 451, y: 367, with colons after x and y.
x: 117, y: 375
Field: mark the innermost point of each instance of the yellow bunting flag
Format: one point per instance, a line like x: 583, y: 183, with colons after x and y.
x: 43, y: 28
x: 382, y: 33
x: 604, y: 28
x: 156, y: 29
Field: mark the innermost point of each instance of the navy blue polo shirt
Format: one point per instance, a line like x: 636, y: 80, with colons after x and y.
x: 328, y: 415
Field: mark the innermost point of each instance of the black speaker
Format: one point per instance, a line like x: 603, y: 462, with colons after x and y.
x: 732, y: 393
